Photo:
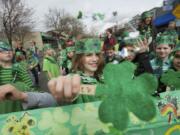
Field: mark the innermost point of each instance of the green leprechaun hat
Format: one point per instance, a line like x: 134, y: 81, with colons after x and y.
x: 90, y: 45
x: 146, y: 15
x: 164, y: 39
x: 4, y: 46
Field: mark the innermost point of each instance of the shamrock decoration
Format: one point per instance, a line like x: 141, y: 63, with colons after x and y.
x: 54, y: 123
x: 81, y: 117
x: 171, y: 78
x: 126, y: 93
x: 80, y: 14
x: 19, y: 126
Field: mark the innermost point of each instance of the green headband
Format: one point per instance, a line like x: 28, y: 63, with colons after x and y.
x: 88, y: 46
x: 5, y: 46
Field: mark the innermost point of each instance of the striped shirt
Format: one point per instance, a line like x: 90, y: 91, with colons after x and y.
x: 20, y: 79
x: 160, y: 66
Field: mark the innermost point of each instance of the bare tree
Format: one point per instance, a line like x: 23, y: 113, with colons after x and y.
x: 15, y: 19
x: 61, y: 21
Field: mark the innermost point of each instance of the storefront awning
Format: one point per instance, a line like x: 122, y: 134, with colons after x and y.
x: 164, y: 19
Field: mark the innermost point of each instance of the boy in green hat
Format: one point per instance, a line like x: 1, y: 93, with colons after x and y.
x: 20, y: 58
x: 12, y: 76
x: 163, y: 48
x: 67, y: 63
x: 136, y: 50
x: 50, y: 65
x: 162, y: 61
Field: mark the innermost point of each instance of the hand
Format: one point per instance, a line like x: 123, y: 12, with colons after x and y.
x: 142, y: 46
x: 65, y: 88
x: 11, y: 93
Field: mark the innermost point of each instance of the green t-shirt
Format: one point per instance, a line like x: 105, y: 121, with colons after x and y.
x: 51, y: 66
x: 20, y: 79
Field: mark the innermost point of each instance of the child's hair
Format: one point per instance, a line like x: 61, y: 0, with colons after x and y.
x: 110, y: 48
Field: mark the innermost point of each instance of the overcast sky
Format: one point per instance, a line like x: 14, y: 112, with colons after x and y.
x: 125, y: 9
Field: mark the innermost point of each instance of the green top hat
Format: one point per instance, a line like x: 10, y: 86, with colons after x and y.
x: 47, y: 47
x: 4, y: 46
x: 146, y: 15
x: 91, y: 45
x: 164, y: 39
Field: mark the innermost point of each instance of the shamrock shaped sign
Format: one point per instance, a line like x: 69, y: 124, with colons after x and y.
x: 126, y: 93
x: 171, y: 78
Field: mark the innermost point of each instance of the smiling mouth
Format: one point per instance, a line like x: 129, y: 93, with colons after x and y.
x: 93, y: 65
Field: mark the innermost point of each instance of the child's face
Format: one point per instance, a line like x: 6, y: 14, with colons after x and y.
x: 90, y: 62
x: 131, y: 53
x: 6, y: 56
x: 176, y: 61
x: 163, y: 51
x: 70, y: 55
x: 50, y: 52
x: 110, y: 53
x: 148, y: 20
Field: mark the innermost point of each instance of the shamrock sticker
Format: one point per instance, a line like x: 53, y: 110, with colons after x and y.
x: 90, y: 124
x: 19, y: 126
x: 171, y: 78
x: 126, y: 93
x: 54, y: 122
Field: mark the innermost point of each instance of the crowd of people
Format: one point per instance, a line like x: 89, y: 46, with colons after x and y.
x: 81, y: 61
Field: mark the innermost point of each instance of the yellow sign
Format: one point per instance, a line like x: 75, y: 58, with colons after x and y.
x: 176, y: 11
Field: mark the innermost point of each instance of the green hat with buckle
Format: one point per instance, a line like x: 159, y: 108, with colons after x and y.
x: 146, y: 15
x: 164, y: 39
x: 90, y: 45
x: 47, y: 47
x: 4, y: 46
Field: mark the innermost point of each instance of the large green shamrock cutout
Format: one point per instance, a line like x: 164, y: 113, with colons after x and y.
x: 171, y: 78
x: 126, y: 93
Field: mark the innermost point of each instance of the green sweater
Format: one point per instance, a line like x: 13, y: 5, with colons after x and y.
x: 20, y: 79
